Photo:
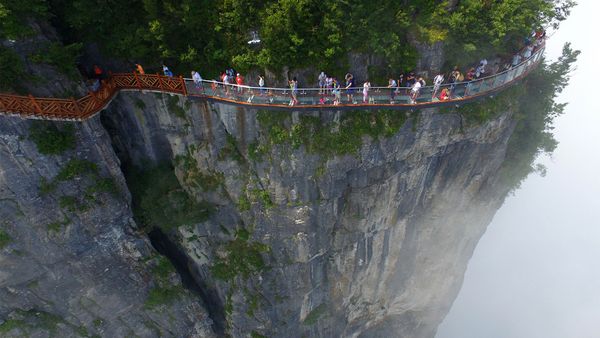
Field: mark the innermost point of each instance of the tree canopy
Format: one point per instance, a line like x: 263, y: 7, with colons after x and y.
x: 210, y: 35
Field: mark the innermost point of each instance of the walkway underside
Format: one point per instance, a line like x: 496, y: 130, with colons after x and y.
x: 30, y: 107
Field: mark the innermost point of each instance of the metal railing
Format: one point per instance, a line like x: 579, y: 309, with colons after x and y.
x: 376, y: 96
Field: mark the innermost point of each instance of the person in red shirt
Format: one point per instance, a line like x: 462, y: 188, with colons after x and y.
x: 444, y: 95
x: 240, y: 82
x: 97, y: 72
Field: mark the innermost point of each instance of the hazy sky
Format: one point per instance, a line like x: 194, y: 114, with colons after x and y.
x: 536, y: 271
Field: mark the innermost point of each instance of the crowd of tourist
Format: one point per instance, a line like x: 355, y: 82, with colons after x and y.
x: 408, y: 86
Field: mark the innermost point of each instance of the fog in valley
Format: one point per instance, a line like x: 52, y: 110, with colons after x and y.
x: 536, y: 270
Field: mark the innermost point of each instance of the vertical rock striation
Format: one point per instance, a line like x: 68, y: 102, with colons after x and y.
x: 311, y: 242
x: 367, y: 233
x: 74, y: 263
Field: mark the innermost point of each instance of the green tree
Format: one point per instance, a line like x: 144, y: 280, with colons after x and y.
x: 210, y: 35
x: 485, y: 27
x: 11, y: 68
x: 14, y: 15
x: 537, y: 109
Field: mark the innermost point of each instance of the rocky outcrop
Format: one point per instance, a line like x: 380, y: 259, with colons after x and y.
x: 41, y: 78
x: 366, y: 243
x: 431, y: 56
x: 72, y: 260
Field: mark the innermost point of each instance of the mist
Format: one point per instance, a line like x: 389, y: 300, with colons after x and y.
x: 536, y: 271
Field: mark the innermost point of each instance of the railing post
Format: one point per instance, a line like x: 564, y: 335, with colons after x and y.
x: 183, y: 87
x: 36, y: 106
x: 94, y: 98
x: 161, y: 86
x: 109, y: 82
x: 77, y: 108
x: 110, y: 85
x: 137, y: 80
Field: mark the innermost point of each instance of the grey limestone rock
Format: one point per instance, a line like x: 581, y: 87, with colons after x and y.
x: 370, y: 244
x: 81, y: 267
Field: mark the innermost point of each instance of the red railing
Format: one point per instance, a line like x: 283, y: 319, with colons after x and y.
x: 87, y: 106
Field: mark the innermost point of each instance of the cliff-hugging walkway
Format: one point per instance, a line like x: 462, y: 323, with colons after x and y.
x: 30, y: 107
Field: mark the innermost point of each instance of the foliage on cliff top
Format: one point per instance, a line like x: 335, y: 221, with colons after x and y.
x: 537, y: 108
x: 534, y: 101
x: 210, y: 35
x: 14, y: 16
x: 160, y: 201
x: 63, y: 57
x: 16, y: 22
x: 11, y: 68
x: 327, y: 138
x: 477, y: 28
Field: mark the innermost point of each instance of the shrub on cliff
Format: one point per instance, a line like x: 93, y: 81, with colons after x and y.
x: 11, y: 68
x: 50, y: 140
x: 160, y: 201
x: 4, y: 239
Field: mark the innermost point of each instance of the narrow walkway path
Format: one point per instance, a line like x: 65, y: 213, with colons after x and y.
x: 30, y: 107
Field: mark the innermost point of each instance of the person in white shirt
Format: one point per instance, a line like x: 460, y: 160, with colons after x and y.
x: 366, y: 87
x: 322, y: 82
x: 261, y: 84
x: 437, y: 82
x: 197, y: 79
x: 416, y: 88
x: 480, y: 71
x: 328, y: 84
x: 392, y: 85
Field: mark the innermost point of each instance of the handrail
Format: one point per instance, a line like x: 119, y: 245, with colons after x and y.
x: 380, y: 87
x: 30, y: 107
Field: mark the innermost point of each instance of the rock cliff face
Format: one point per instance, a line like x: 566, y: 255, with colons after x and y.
x: 323, y: 224
x: 40, y: 78
x: 322, y: 236
x: 363, y: 233
x: 72, y: 261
